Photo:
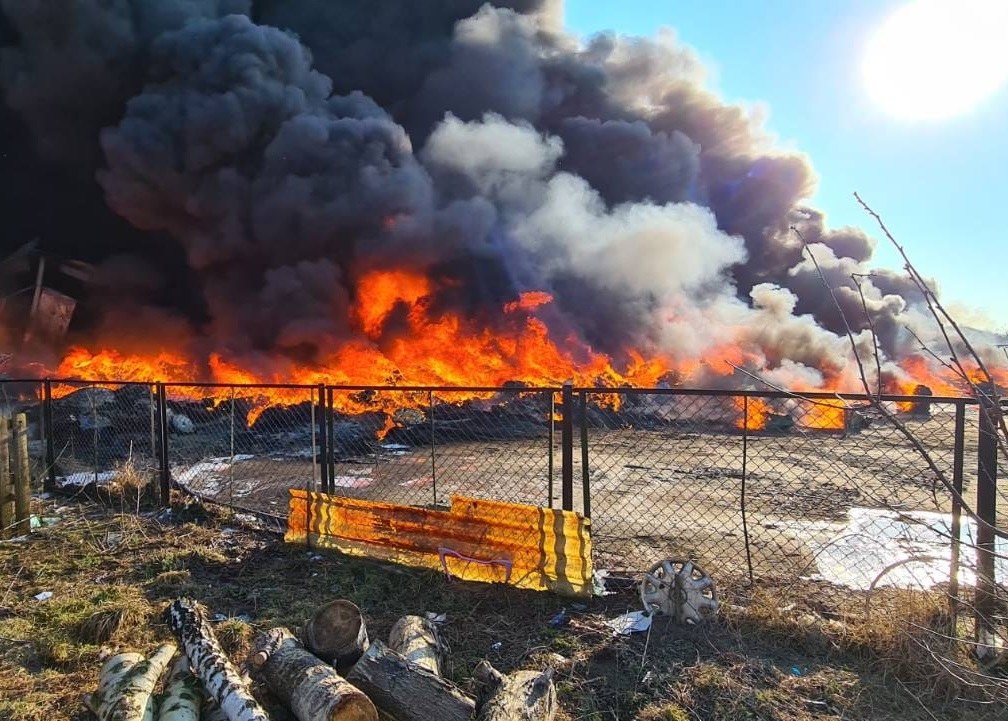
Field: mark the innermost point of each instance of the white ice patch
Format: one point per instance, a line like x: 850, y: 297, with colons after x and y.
x: 84, y: 478
x: 209, y: 476
x: 902, y: 549
x: 351, y: 481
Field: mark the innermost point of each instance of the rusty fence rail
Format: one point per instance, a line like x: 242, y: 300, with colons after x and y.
x: 761, y: 488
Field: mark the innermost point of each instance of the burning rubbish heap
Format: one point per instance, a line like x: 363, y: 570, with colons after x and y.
x: 445, y: 193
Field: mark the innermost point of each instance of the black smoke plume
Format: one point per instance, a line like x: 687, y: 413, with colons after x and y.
x: 244, y: 162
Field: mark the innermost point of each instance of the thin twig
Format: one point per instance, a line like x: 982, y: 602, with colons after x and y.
x: 871, y: 326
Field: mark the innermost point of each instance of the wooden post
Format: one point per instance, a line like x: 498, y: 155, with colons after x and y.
x: 6, y: 485
x: 22, y: 476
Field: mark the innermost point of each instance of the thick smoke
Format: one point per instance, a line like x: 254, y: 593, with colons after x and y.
x: 283, y: 148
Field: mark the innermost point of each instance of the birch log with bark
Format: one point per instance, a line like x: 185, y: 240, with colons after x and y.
x: 419, y: 642
x: 183, y: 695
x: 408, y: 692
x: 519, y: 696
x: 219, y: 677
x: 126, y: 685
x: 336, y: 633
x: 308, y: 686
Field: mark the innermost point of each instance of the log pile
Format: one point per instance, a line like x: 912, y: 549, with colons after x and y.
x: 331, y: 673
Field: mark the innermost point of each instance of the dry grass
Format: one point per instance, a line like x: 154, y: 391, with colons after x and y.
x: 112, y: 574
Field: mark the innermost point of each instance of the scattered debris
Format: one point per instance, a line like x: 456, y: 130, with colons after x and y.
x: 630, y: 622
x: 44, y: 596
x: 560, y: 620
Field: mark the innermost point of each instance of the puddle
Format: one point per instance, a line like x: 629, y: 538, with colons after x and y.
x: 901, y: 549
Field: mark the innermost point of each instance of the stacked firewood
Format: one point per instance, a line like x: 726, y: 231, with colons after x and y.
x: 331, y: 672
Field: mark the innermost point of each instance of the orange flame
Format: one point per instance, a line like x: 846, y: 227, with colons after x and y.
x: 528, y: 301
x: 752, y: 416
x: 402, y: 340
x: 826, y: 415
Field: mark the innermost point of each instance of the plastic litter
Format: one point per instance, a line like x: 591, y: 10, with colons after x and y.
x: 496, y: 646
x: 631, y: 622
x: 44, y: 596
x: 37, y: 522
x: 436, y: 618
x: 560, y: 620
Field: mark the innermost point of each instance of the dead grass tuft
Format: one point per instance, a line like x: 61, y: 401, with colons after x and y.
x: 113, y: 623
x: 904, y: 635
x: 235, y: 637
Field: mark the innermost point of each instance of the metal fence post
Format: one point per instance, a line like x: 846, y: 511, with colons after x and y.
x: 232, y: 450
x: 742, y: 503
x: 567, y: 446
x: 957, y: 487
x: 585, y: 480
x: 49, y: 484
x: 330, y: 442
x: 549, y: 468
x: 433, y: 464
x: 323, y: 442
x: 314, y: 442
x: 163, y: 445
x: 986, y: 506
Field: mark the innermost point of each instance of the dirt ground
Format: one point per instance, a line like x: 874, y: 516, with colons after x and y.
x: 672, y: 490
x: 111, y: 572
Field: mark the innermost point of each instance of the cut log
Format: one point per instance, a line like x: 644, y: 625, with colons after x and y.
x: 183, y: 694
x: 519, y: 696
x: 126, y: 685
x: 336, y: 633
x: 408, y: 692
x: 219, y: 677
x: 419, y: 641
x: 310, y: 687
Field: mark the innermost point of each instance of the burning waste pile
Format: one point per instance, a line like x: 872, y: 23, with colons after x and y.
x: 333, y: 672
x: 462, y: 193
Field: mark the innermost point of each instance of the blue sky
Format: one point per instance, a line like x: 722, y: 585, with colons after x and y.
x: 937, y: 184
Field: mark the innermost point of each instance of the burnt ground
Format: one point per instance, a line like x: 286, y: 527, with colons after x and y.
x: 111, y: 572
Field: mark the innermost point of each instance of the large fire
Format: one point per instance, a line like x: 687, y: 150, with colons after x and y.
x: 401, y: 341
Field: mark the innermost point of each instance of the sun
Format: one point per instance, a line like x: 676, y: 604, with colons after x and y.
x: 935, y: 59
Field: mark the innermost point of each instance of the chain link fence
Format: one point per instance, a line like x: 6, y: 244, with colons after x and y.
x: 764, y: 488
x: 761, y: 489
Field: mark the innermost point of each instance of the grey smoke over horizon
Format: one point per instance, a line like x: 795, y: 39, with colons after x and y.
x: 288, y: 147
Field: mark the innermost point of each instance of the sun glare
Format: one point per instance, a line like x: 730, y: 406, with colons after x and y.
x: 934, y: 59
